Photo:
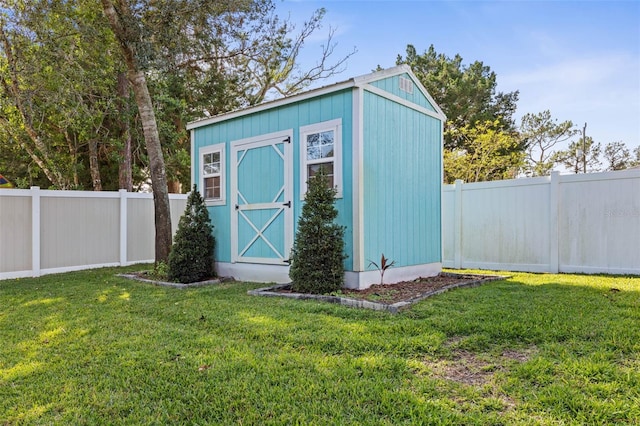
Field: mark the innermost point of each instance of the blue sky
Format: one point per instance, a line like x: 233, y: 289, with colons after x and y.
x: 579, y: 59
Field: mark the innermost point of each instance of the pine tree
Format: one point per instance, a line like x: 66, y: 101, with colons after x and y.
x: 191, y: 258
x: 317, y: 256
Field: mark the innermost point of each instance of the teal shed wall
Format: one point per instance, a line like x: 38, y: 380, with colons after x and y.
x: 291, y: 116
x: 402, y: 180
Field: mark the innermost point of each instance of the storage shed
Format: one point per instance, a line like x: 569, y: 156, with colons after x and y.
x: 379, y: 139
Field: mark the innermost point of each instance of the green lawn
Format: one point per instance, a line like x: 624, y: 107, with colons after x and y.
x: 91, y: 348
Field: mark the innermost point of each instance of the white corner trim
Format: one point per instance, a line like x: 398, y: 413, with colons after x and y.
x: 192, y: 139
x: 357, y: 171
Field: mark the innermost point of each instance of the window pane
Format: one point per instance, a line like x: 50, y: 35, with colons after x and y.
x: 313, y: 146
x: 327, y: 151
x: 326, y: 168
x: 313, y: 139
x: 211, y: 163
x: 212, y: 187
x: 326, y: 138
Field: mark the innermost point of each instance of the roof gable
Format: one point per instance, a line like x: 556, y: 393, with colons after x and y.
x: 374, y: 79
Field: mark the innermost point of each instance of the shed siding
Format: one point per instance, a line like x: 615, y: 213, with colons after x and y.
x: 402, y: 177
x: 292, y: 116
x: 392, y: 85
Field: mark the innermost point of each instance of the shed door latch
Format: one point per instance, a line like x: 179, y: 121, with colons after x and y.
x: 287, y: 140
x: 287, y: 204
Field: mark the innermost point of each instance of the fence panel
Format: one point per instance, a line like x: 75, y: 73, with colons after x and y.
x: 43, y: 232
x: 573, y: 223
x: 599, y: 223
x: 15, y: 231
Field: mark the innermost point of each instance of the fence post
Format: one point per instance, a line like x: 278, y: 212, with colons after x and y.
x: 554, y: 206
x: 123, y: 227
x: 457, y: 225
x: 35, y: 231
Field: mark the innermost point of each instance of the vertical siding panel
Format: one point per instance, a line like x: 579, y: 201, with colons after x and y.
x: 402, y: 183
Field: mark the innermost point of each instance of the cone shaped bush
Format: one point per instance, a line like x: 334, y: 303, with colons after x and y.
x: 318, y: 250
x: 191, y: 258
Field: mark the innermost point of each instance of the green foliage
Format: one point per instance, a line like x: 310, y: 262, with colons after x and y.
x: 191, y: 258
x: 160, y: 271
x: 318, y: 251
x: 490, y: 154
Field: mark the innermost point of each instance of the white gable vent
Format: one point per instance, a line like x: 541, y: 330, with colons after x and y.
x: 406, y: 85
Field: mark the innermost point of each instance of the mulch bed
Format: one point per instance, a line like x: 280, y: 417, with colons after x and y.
x: 409, y: 290
x: 388, y: 297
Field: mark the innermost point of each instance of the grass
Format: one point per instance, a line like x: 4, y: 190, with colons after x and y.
x: 91, y: 348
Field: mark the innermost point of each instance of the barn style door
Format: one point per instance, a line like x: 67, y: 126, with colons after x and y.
x: 261, y: 199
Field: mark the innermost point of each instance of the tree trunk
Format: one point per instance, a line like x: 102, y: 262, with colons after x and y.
x: 149, y: 127
x: 96, y: 180
x: 125, y: 170
x: 156, y: 164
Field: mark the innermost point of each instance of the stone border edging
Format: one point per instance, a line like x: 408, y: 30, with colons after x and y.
x: 174, y: 285
x: 366, y: 304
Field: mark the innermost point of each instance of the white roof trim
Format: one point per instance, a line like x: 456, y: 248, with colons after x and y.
x: 360, y: 81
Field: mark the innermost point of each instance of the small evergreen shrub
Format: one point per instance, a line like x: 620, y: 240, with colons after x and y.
x: 317, y: 257
x: 191, y: 257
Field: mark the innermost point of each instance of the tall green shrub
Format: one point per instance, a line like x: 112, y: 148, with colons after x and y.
x: 191, y: 258
x: 318, y: 250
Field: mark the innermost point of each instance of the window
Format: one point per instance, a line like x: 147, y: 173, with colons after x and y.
x: 321, y: 151
x: 212, y: 184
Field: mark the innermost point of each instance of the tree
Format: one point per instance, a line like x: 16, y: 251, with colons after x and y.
x: 541, y: 133
x: 128, y: 31
x: 581, y: 155
x: 219, y: 57
x: 466, y: 93
x: 490, y: 154
x: 318, y: 250
x: 191, y: 258
x: 617, y: 156
x: 56, y: 89
x: 636, y: 161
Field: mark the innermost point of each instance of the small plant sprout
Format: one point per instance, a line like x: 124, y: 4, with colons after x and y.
x: 382, y: 267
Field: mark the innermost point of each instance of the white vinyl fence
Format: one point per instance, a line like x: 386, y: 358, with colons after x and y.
x: 561, y: 223
x: 45, y: 232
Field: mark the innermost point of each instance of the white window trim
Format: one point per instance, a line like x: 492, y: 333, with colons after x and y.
x: 336, y: 126
x: 223, y: 178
